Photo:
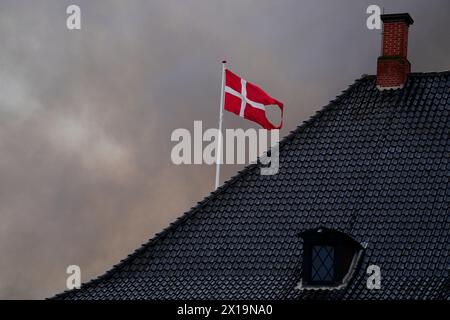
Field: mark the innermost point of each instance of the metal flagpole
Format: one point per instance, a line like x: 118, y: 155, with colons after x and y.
x: 219, y: 138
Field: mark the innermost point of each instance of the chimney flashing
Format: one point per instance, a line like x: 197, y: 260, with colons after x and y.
x: 382, y: 88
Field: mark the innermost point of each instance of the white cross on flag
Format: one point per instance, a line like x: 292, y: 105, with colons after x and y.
x: 249, y: 101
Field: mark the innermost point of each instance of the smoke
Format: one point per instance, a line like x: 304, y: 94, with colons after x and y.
x: 86, y: 115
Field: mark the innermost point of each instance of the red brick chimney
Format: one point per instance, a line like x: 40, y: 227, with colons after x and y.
x: 393, y: 65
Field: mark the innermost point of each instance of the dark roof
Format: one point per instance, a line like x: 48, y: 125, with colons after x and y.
x: 372, y: 164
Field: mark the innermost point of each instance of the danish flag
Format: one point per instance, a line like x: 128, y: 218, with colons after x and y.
x: 249, y: 101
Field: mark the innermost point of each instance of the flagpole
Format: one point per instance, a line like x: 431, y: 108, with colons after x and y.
x: 219, y: 137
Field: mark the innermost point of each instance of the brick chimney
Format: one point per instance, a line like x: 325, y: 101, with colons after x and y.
x: 393, y: 65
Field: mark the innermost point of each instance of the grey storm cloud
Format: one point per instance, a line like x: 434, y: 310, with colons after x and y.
x: 86, y: 115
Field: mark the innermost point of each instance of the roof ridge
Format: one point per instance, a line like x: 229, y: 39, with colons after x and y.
x: 415, y: 74
x: 193, y: 210
x: 445, y: 72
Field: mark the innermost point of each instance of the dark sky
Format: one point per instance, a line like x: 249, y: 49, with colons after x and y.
x: 86, y: 116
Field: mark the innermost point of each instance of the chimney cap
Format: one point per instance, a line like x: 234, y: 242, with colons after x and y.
x: 396, y: 17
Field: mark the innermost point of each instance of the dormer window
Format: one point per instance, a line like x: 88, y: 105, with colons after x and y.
x: 329, y: 259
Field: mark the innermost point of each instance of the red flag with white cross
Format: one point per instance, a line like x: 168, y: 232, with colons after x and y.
x: 249, y: 101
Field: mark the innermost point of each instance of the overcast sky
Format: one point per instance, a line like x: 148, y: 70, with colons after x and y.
x: 86, y: 116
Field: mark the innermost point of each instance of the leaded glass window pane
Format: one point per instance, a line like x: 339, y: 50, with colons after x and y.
x: 322, y: 264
